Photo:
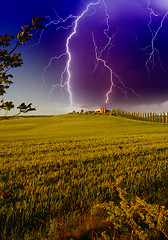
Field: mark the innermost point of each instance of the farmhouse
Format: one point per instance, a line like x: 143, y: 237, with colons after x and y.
x: 101, y: 110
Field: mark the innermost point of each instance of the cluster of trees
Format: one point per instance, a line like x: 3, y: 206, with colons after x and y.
x: 149, y: 116
x: 9, y: 59
x: 74, y: 112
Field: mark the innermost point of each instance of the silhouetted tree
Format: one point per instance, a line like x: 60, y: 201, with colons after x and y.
x: 9, y: 59
x: 7, y: 106
x: 23, y: 108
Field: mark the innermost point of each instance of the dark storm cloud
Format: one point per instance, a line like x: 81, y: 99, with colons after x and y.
x: 129, y: 28
x: 127, y: 58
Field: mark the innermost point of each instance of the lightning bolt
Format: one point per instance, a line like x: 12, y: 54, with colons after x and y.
x: 61, y: 23
x: 67, y: 45
x: 61, y: 84
x: 112, y: 73
x: 105, y: 65
x: 55, y: 22
x: 74, y: 25
x: 99, y: 58
x: 150, y: 63
x: 106, y: 30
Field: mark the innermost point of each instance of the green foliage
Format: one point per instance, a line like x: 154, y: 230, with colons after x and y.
x: 8, y: 58
x: 137, y: 217
x: 26, y: 33
x: 56, y: 167
x: 6, y: 105
x: 25, y: 108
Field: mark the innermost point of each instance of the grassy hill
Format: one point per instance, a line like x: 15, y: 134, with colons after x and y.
x: 64, y: 177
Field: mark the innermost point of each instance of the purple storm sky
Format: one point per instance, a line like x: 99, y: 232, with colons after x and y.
x: 92, y: 53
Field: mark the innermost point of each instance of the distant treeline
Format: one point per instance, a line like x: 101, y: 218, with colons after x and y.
x: 148, y: 117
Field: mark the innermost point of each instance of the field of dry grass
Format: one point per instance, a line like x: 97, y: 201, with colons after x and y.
x: 83, y: 177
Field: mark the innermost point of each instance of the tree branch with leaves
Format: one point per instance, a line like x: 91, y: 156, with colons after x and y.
x: 9, y: 60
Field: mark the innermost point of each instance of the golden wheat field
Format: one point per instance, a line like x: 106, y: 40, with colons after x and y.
x: 83, y: 177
